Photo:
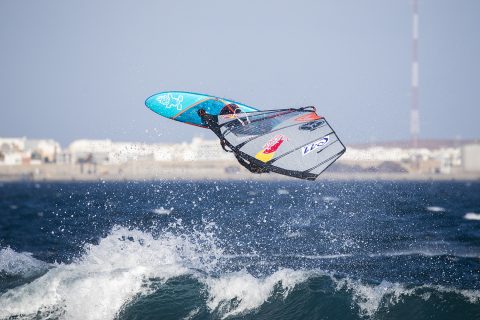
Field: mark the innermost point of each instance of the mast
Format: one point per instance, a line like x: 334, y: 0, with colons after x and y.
x: 414, y: 114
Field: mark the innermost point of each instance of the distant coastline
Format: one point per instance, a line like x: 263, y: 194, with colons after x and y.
x: 23, y: 159
x: 194, y: 170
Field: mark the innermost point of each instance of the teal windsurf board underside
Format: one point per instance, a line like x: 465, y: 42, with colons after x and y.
x: 184, y: 106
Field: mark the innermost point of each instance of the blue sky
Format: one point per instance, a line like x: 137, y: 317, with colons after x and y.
x: 82, y: 69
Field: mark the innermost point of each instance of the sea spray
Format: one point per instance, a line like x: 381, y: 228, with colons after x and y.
x: 233, y: 253
x: 21, y: 264
x: 239, y: 292
x: 107, y: 275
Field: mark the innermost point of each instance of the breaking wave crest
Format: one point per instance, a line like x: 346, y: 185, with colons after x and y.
x: 239, y: 292
x: 120, y: 269
x: 22, y: 264
x: 371, y: 298
x: 472, y: 216
x: 105, y: 277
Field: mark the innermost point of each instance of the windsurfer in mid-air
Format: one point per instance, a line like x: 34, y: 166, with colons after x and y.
x: 295, y: 142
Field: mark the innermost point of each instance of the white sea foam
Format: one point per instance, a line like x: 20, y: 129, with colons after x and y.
x: 117, y: 270
x: 240, y: 292
x: 109, y: 275
x: 13, y: 263
x: 370, y: 298
x: 282, y: 191
x: 192, y: 314
x: 461, y: 253
x: 315, y: 257
x: 330, y: 199
x: 120, y: 267
x: 162, y: 211
x: 435, y: 209
x: 472, y: 216
x: 293, y: 234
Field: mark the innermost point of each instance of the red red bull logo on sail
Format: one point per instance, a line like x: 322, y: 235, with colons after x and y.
x: 269, y: 149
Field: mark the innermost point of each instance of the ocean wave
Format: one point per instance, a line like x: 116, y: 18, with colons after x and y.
x: 435, y: 209
x: 162, y: 211
x: 316, y: 257
x: 330, y: 198
x: 109, y: 275
x: 472, y: 216
x: 239, y: 292
x: 426, y: 253
x: 120, y: 269
x: 293, y: 234
x: 371, y: 298
x: 20, y: 264
x: 125, y: 266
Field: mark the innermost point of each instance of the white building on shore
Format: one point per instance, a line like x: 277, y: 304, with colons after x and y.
x: 108, y: 152
x: 471, y: 157
x: 17, y: 151
x: 440, y: 160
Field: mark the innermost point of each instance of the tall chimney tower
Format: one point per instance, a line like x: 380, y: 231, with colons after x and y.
x: 414, y: 114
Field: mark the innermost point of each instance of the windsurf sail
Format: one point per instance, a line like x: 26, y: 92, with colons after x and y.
x: 292, y: 142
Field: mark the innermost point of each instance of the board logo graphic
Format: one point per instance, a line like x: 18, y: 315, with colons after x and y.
x: 317, y: 144
x: 310, y: 126
x: 269, y: 149
x: 169, y: 101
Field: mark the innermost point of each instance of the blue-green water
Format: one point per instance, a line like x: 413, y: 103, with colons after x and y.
x: 249, y: 250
